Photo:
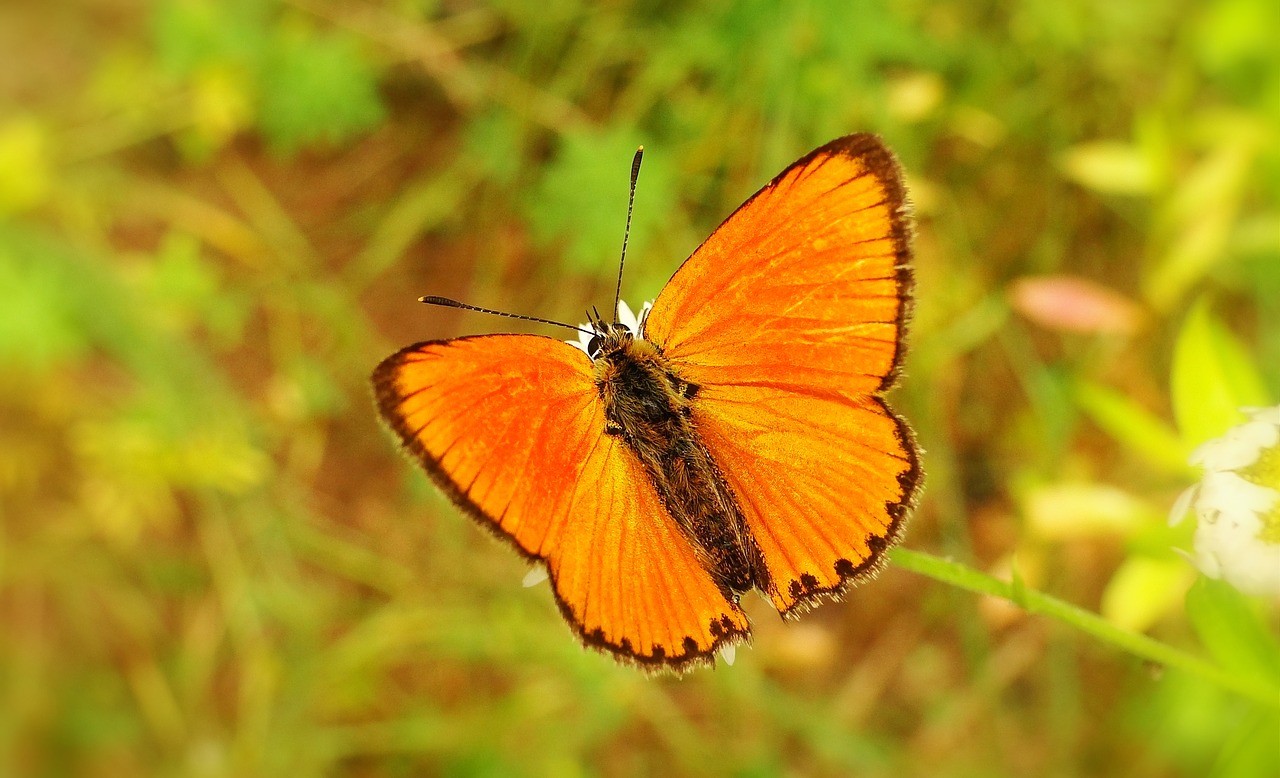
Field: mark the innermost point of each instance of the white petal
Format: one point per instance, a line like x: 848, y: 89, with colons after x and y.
x: 583, y: 342
x: 1232, y: 550
x: 1227, y: 494
x: 1239, y: 447
x: 534, y: 577
x: 626, y: 317
x: 1181, y: 506
x: 729, y: 654
x: 1268, y: 415
x: 644, y: 313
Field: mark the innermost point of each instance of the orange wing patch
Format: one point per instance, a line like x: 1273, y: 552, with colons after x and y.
x: 805, y: 284
x: 824, y: 483
x: 511, y: 427
x: 791, y: 319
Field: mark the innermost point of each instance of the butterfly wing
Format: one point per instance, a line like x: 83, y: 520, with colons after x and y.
x: 790, y: 319
x: 511, y: 427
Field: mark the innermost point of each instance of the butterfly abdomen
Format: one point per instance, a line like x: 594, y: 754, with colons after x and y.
x: 647, y: 405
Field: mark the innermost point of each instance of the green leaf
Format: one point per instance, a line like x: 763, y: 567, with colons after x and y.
x: 1018, y: 591
x: 1143, y: 590
x: 191, y: 34
x: 493, y: 141
x: 182, y: 289
x: 309, y: 386
x: 318, y: 90
x: 1228, y: 627
x: 1250, y: 748
x: 44, y: 321
x: 582, y: 198
x: 1139, y: 430
x: 1213, y: 377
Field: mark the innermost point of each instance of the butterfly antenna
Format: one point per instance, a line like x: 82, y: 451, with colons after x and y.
x: 631, y: 202
x: 447, y: 303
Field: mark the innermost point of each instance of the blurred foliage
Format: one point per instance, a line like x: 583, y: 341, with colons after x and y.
x: 215, y: 217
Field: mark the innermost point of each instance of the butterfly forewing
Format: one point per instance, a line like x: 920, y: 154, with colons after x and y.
x: 806, y: 283
x: 790, y: 319
x: 511, y: 427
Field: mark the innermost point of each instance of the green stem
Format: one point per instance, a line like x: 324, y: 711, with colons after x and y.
x: 964, y: 577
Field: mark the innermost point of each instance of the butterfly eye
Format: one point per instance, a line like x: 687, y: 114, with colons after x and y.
x: 593, y: 346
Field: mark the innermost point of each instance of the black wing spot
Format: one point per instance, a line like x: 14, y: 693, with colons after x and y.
x: 690, y: 645
x: 659, y: 653
x: 810, y: 581
x: 796, y: 589
x: 726, y: 622
x: 845, y: 568
x: 877, y: 544
x: 625, y: 645
x: 716, y: 629
x: 597, y: 635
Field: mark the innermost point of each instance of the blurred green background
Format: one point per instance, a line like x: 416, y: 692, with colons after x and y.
x: 216, y: 216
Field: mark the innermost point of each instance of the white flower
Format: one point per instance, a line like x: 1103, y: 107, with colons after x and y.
x: 1237, y: 505
x: 630, y: 320
x: 626, y: 318
x: 1242, y: 444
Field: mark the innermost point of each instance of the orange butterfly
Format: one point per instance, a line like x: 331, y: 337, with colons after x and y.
x: 734, y: 437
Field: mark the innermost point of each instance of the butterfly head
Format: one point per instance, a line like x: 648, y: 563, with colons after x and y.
x: 608, y: 338
x: 601, y: 338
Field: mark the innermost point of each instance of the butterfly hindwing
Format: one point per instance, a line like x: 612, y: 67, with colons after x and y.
x: 790, y: 319
x: 511, y: 427
x: 823, y: 483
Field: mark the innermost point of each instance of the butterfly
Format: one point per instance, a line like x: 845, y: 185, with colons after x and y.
x: 732, y: 437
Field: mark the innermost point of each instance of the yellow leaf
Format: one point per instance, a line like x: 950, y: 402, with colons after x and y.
x: 25, y: 170
x: 1143, y: 590
x: 1109, y: 167
x: 1066, y: 511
